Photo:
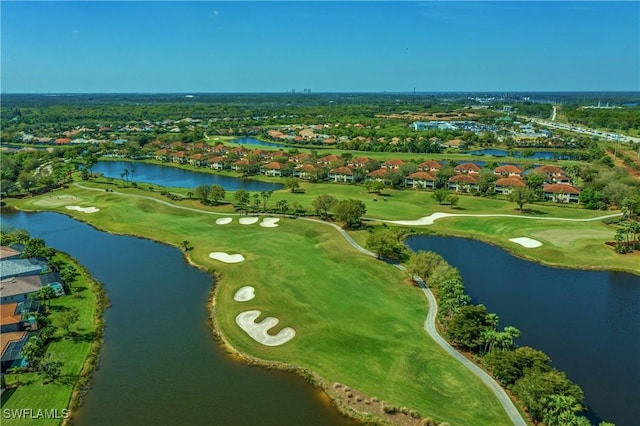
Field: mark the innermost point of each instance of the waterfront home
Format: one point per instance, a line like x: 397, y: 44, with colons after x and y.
x: 467, y: 168
x: 505, y: 185
x: 179, y: 157
x: 216, y: 163
x: 420, y: 180
x: 161, y: 154
x: 18, y: 289
x: 21, y: 267
x: 508, y: 170
x: 272, y: 169
x: 561, y: 193
x: 11, y: 349
x: 19, y: 316
x: 198, y: 160
x: 9, y: 252
x: 305, y: 172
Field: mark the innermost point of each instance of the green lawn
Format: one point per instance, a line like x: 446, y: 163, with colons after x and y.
x: 73, y: 352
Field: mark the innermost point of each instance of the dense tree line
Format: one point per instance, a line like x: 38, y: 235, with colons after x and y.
x: 625, y: 118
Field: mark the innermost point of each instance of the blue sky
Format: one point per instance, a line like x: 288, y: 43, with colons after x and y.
x: 121, y: 46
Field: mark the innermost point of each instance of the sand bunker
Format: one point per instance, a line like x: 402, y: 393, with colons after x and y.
x: 248, y: 220
x: 258, y: 331
x: 83, y: 209
x: 225, y: 257
x: 526, y: 242
x: 269, y: 222
x: 223, y: 220
x: 244, y: 294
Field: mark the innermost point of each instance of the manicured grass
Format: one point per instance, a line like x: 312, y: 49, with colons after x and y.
x: 357, y: 321
x: 32, y: 393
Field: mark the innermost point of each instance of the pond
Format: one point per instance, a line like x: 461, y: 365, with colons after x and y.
x: 254, y: 141
x: 587, y: 322
x: 538, y: 155
x: 160, y: 364
x: 173, y: 176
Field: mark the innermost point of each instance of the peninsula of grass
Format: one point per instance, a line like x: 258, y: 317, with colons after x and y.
x: 78, y: 352
x: 357, y: 321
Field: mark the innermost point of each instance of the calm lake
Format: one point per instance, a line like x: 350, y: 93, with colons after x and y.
x: 160, y: 364
x: 587, y: 322
x: 172, y: 176
x: 538, y: 155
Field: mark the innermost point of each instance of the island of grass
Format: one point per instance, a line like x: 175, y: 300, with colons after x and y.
x: 77, y: 348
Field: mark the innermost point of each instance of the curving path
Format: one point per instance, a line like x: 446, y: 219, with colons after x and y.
x: 430, y: 322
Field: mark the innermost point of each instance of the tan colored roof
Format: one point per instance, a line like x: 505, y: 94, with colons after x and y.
x: 6, y: 251
x: 7, y: 314
x: 10, y: 337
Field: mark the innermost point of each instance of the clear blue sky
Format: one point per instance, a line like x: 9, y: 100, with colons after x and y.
x: 118, y: 46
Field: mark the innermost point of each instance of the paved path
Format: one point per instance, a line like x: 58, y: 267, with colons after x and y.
x: 430, y: 322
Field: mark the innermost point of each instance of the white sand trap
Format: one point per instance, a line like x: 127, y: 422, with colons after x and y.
x: 248, y: 220
x: 225, y: 257
x: 258, y: 331
x: 244, y: 294
x: 83, y: 209
x: 223, y: 220
x: 269, y: 222
x: 526, y: 242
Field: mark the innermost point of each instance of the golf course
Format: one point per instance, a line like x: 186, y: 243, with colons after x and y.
x: 358, y: 321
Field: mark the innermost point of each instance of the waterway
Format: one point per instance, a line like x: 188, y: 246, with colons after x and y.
x: 160, y: 364
x: 587, y: 322
x: 173, y: 176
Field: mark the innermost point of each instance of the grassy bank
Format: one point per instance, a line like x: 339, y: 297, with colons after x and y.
x: 79, y: 353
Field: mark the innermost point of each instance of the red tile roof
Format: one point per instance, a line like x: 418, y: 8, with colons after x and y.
x: 468, y: 167
x: 464, y: 179
x: 421, y: 176
x: 342, y: 171
x: 510, y: 181
x: 507, y: 169
x: 561, y: 188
